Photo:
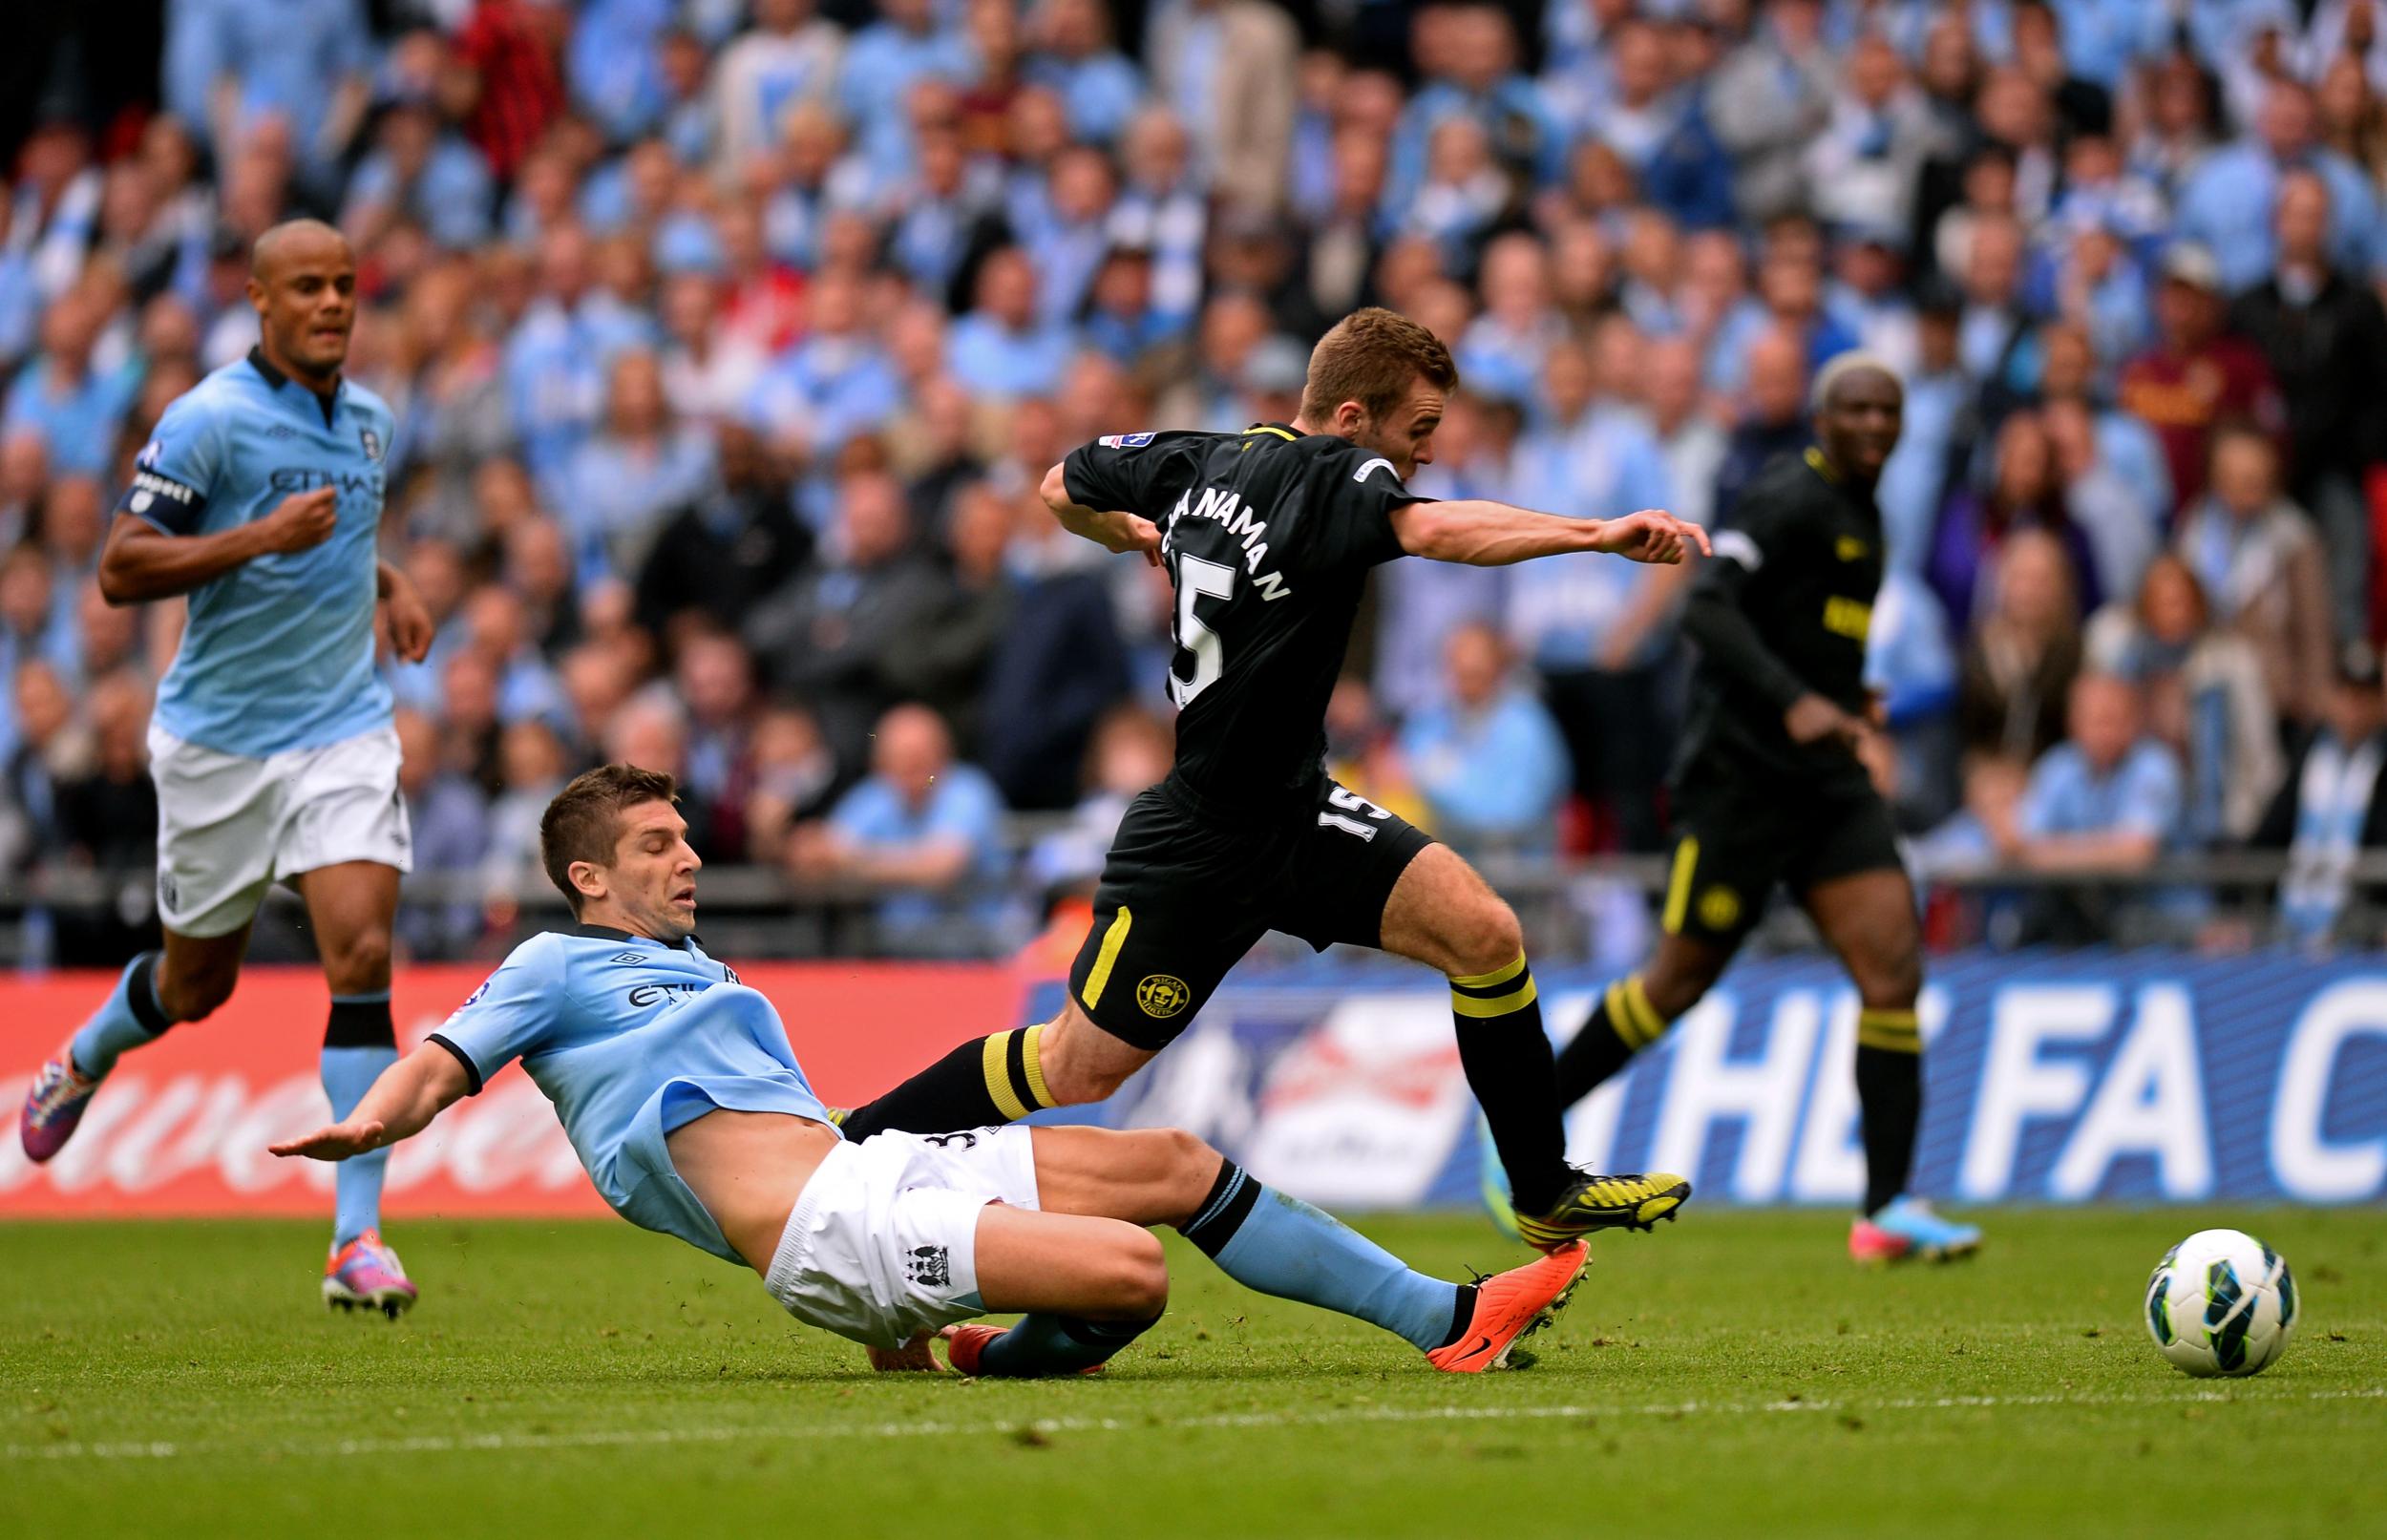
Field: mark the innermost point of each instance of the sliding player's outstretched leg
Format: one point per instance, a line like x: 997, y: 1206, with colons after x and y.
x: 1442, y: 914
x: 1868, y: 918
x: 1274, y: 1243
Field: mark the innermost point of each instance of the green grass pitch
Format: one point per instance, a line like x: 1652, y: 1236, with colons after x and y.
x: 1730, y: 1374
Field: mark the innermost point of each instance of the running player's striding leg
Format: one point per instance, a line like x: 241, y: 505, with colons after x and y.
x: 983, y: 1083
x: 354, y: 906
x: 1442, y: 913
x: 157, y: 991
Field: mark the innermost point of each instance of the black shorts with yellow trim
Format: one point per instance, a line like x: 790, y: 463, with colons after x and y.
x: 1736, y: 838
x: 1186, y: 893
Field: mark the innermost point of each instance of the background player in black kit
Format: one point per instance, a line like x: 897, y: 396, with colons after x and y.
x: 1769, y: 787
x: 1268, y: 536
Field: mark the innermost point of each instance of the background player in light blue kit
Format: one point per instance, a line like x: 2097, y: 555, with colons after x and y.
x: 271, y: 746
x: 684, y: 1100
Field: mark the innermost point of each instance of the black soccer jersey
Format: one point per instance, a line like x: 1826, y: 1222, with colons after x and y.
x: 1268, y: 536
x: 1802, y: 563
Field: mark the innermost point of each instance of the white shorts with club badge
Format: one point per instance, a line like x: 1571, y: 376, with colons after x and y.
x: 230, y: 827
x: 883, y: 1242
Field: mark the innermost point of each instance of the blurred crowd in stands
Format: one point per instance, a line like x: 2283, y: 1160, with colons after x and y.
x: 728, y: 340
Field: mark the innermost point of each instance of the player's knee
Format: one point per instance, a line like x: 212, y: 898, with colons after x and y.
x: 1185, y: 1168
x: 1890, y: 983
x: 360, y: 962
x: 1672, y: 988
x: 1488, y: 940
x: 1073, y: 1082
x: 1137, y: 1285
x: 195, y: 996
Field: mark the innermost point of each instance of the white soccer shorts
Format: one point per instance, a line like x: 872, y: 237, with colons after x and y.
x: 883, y: 1242
x: 229, y: 827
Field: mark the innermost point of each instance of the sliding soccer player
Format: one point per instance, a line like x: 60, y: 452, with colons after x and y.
x: 686, y: 1105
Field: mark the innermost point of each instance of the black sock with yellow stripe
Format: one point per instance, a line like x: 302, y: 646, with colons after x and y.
x: 996, y: 1080
x: 1890, y: 1089
x: 1509, y: 1069
x: 1622, y: 1024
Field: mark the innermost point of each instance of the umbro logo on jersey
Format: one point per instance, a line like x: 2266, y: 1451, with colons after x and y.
x: 629, y: 960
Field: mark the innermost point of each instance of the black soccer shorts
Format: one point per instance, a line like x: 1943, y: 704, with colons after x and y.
x: 1735, y: 839
x: 1185, y: 894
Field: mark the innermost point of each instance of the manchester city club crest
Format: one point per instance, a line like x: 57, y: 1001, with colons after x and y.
x: 371, y: 441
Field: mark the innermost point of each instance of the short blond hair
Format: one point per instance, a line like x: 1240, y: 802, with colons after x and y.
x: 1373, y: 357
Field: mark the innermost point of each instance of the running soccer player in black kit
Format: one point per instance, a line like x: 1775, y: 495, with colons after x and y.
x: 1268, y: 536
x: 1769, y: 787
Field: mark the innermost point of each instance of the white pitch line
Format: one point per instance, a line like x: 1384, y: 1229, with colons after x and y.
x: 465, y: 1443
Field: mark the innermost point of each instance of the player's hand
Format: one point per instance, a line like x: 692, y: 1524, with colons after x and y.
x: 334, y: 1141
x: 1129, y: 532
x: 912, y: 1358
x: 1651, y: 534
x: 1812, y: 719
x: 300, y: 521
x: 411, y: 626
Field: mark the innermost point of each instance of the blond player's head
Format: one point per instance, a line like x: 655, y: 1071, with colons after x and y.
x: 1380, y: 380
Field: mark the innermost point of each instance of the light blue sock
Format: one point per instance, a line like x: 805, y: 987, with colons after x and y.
x: 126, y: 1020
x: 1044, y: 1344
x: 1279, y: 1245
x: 348, y: 1074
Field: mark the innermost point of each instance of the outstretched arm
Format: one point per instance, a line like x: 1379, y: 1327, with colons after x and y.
x: 1482, y: 534
x: 1115, y: 532
x: 401, y: 1104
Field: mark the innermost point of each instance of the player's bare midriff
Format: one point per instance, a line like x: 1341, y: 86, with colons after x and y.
x: 748, y: 1169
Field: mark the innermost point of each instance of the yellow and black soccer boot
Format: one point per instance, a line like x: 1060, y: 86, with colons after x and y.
x: 1596, y: 1202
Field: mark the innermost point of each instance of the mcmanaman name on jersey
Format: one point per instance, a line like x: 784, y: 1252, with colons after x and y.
x: 278, y: 653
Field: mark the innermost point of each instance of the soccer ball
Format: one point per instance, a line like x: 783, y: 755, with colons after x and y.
x: 2220, y: 1302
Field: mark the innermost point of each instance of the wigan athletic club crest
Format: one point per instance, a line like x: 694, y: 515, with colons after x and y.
x: 371, y: 441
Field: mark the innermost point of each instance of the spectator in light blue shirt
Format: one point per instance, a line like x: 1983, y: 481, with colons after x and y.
x: 1480, y: 83
x: 75, y: 409
x: 614, y: 64
x: 1098, y: 87
x: 875, y: 80
x: 923, y: 827
x: 624, y: 485
x: 2108, y: 797
x: 1487, y: 757
x: 836, y: 383
x: 2226, y: 202
x: 1000, y: 349
x: 307, y: 62
x: 417, y: 172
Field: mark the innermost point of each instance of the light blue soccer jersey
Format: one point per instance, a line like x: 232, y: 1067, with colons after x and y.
x: 632, y: 1039
x: 278, y: 653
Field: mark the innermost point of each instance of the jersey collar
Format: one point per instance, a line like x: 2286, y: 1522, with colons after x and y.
x: 277, y: 379
x: 1281, y: 430
x: 608, y: 933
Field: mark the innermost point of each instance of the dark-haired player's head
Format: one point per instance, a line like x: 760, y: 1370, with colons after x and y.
x: 301, y: 282
x: 617, y: 849
x: 1859, y: 409
x: 1380, y: 380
